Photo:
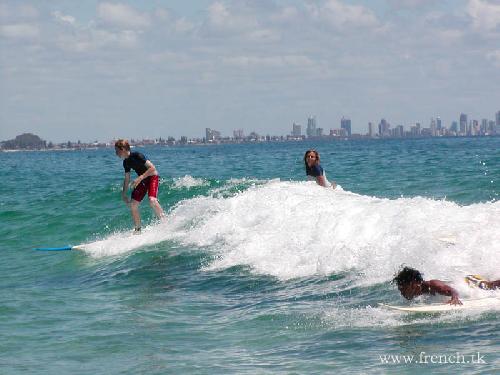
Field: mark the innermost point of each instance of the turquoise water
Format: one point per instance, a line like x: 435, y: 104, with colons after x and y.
x: 254, y: 270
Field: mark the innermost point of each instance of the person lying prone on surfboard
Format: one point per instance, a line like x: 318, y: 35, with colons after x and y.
x: 411, y: 284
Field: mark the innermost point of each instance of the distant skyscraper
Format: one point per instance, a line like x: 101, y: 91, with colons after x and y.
x: 463, y: 123
x: 438, y: 123
x: 433, y: 127
x: 454, y: 127
x: 311, y: 126
x: 238, y: 134
x: 345, y: 123
x: 383, y: 128
x: 296, y: 130
x: 484, y: 126
x: 370, y: 130
x: 497, y: 117
x: 211, y: 135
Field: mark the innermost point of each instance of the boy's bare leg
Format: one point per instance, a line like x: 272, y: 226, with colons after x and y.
x: 155, y: 205
x: 136, y: 216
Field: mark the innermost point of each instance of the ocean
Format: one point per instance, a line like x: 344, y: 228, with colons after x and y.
x: 255, y: 270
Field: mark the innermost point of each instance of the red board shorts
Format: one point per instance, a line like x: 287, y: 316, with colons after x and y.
x: 150, y: 185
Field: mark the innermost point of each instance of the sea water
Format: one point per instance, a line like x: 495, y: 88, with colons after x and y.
x: 254, y: 269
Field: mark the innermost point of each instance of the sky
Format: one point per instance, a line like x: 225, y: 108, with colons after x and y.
x: 100, y: 70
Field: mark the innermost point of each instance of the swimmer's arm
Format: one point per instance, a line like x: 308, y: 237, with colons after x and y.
x: 437, y: 286
x: 321, y: 180
x: 151, y: 171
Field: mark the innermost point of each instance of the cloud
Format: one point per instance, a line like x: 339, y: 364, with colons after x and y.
x: 399, y: 4
x: 343, y: 16
x: 494, y: 57
x: 18, y: 12
x: 64, y: 18
x: 485, y: 15
x: 269, y: 61
x: 221, y: 19
x: 183, y: 25
x: 122, y: 15
x: 91, y: 39
x: 20, y: 31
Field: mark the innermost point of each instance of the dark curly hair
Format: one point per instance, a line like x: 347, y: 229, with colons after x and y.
x: 406, y: 276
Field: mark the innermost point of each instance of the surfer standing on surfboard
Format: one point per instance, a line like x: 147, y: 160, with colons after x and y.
x: 314, y: 171
x: 411, y: 284
x: 147, y: 181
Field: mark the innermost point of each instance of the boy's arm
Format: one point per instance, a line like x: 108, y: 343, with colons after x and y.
x: 321, y: 180
x: 151, y: 171
x: 437, y: 286
x: 126, y: 181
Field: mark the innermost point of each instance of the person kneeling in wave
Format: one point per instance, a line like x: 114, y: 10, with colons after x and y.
x: 314, y: 171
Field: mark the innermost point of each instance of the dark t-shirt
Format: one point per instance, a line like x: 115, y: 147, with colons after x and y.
x: 137, y: 162
x: 314, y: 171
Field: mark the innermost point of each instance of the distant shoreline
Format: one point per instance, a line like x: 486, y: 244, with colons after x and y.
x: 324, y: 139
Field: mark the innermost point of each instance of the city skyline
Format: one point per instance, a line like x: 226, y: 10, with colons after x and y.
x: 99, y: 69
x: 463, y: 128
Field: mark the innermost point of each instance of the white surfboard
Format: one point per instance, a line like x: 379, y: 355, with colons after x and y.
x: 468, y: 304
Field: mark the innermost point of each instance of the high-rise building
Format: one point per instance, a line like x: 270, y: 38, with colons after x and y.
x: 345, y: 123
x: 475, y: 127
x: 238, y: 134
x: 296, y: 130
x: 497, y: 117
x: 463, y: 123
x: 211, y: 135
x: 438, y: 123
x: 484, y: 126
x: 311, y: 126
x: 371, y: 133
x: 398, y: 131
x: 492, y: 127
x: 383, y: 128
x: 433, y: 127
x: 454, y: 127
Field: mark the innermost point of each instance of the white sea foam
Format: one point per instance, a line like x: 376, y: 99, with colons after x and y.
x: 188, y: 182
x: 296, y: 229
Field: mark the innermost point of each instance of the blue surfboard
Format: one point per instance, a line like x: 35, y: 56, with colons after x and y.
x: 64, y: 248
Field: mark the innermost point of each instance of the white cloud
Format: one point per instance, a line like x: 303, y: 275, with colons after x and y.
x: 269, y: 61
x: 411, y: 3
x: 182, y: 25
x: 485, y: 15
x: 221, y: 19
x: 18, y: 12
x: 122, y: 15
x: 264, y: 35
x: 64, y: 18
x: 343, y: 16
x: 90, y: 39
x: 286, y: 14
x: 20, y: 31
x: 494, y: 57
